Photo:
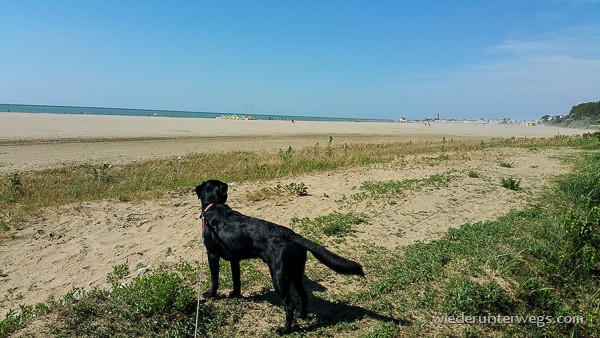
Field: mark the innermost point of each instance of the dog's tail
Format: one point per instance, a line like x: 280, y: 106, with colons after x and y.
x: 331, y: 260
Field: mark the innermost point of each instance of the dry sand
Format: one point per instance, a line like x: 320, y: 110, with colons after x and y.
x: 36, y: 141
x: 77, y: 245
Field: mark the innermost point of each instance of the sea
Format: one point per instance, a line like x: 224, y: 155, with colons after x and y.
x: 21, y: 108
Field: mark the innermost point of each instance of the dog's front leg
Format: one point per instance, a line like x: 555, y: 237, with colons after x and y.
x: 213, y: 263
x: 235, y: 276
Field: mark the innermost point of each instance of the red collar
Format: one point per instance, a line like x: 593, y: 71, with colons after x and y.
x: 208, y: 207
x: 202, y: 220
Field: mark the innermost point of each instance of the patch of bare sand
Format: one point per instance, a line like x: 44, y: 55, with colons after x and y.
x: 77, y: 245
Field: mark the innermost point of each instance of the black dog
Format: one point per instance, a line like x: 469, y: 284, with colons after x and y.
x: 232, y: 236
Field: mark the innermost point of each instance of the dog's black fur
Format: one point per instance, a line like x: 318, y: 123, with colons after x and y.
x: 232, y: 236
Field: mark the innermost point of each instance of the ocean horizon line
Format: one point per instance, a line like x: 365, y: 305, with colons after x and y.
x: 78, y: 110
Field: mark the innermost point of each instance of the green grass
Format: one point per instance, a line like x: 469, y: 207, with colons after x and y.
x: 119, y: 272
x: 510, y: 183
x: 294, y: 189
x: 464, y: 295
x: 160, y: 302
x: 473, y: 174
x: 298, y: 189
x: 377, y: 190
x: 334, y: 224
x: 540, y: 261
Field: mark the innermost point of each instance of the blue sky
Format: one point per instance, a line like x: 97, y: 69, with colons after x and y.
x: 368, y: 59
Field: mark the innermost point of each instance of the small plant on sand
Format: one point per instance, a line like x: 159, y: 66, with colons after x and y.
x: 285, y: 156
x: 510, y: 183
x: 298, y: 189
x: 473, y: 174
x: 260, y: 194
x: 439, y: 158
x: 329, y: 151
x: 100, y: 173
x: 507, y: 164
x: 119, y: 271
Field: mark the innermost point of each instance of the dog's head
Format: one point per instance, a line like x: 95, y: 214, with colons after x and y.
x: 212, y: 191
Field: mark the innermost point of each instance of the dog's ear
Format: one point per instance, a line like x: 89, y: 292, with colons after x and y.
x: 221, y: 192
x: 200, y: 189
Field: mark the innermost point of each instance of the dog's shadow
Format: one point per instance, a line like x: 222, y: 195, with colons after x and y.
x: 324, y: 312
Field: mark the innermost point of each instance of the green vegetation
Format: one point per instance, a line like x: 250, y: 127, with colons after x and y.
x: 334, y: 224
x: 162, y: 303
x: 542, y: 261
x: 376, y: 190
x: 473, y: 174
x: 12, y: 189
x: 507, y: 164
x: 295, y: 189
x: 581, y: 116
x: 464, y: 295
x: 298, y: 189
x: 119, y: 272
x: 510, y: 183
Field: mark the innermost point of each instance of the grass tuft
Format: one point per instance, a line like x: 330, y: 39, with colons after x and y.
x: 334, y: 224
x: 376, y: 190
x: 510, y: 183
x: 473, y: 174
x: 469, y: 297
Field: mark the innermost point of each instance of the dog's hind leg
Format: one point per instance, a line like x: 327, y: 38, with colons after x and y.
x: 235, y: 276
x: 298, y: 274
x: 299, y: 286
x: 289, y: 308
x: 281, y: 283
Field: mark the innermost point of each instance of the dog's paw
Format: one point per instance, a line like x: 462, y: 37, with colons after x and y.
x: 282, y: 330
x: 209, y: 294
x: 235, y: 294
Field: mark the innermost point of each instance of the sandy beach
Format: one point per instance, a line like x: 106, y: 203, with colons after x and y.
x: 36, y: 141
